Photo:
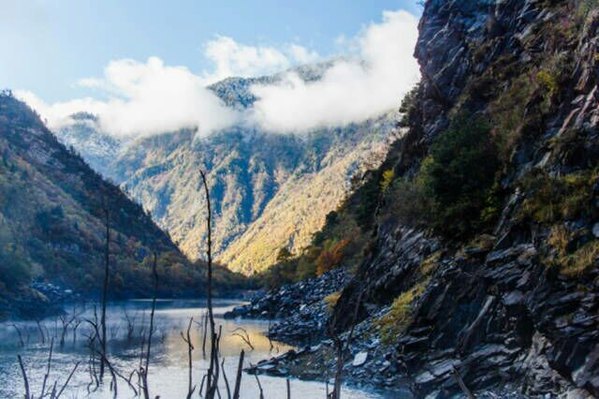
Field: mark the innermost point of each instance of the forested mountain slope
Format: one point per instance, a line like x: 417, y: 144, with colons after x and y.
x: 53, y: 216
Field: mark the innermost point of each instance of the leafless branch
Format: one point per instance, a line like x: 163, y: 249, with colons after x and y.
x: 243, y: 334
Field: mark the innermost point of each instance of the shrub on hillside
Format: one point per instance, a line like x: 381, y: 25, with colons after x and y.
x: 14, y: 271
x: 331, y: 256
x: 409, y: 203
x: 459, y: 175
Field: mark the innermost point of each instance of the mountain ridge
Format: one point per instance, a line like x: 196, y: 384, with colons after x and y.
x: 248, y: 169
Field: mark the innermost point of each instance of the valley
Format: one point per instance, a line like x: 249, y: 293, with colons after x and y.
x: 288, y: 223
x: 270, y: 190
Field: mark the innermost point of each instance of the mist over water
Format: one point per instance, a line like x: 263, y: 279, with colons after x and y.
x: 168, y: 373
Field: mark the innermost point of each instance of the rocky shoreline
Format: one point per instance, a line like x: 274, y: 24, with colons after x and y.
x: 299, y: 310
x: 39, y: 300
x: 369, y: 363
x: 413, y: 361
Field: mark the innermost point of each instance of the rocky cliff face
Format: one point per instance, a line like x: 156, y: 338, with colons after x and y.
x: 513, y: 302
x: 515, y: 306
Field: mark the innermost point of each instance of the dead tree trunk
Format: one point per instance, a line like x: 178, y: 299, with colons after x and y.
x: 144, y: 370
x: 209, y: 254
x: 239, y: 374
x: 212, y: 377
x: 342, y: 349
x: 25, y: 379
x: 105, y: 289
x: 187, y: 338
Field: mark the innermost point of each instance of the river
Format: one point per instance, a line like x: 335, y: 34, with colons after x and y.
x: 126, y: 323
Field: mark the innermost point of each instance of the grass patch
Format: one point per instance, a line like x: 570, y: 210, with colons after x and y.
x: 400, y: 315
x: 430, y: 264
x: 571, y: 259
x: 577, y: 263
x: 550, y: 199
x: 558, y: 238
x: 332, y: 299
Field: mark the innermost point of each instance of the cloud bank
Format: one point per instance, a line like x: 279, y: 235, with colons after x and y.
x: 146, y: 98
x: 234, y: 59
x: 350, y: 91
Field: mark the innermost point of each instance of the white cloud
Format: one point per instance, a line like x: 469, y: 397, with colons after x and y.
x: 157, y: 98
x: 231, y: 58
x: 302, y: 55
x: 145, y: 98
x: 350, y: 91
x: 58, y: 114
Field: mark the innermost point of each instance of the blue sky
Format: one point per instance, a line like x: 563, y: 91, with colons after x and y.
x: 47, y: 46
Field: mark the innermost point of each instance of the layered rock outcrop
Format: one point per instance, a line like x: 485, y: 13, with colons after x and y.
x: 506, y: 311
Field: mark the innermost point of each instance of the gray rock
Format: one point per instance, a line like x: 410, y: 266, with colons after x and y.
x: 360, y: 359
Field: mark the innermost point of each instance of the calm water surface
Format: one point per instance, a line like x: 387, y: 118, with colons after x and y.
x: 127, y: 323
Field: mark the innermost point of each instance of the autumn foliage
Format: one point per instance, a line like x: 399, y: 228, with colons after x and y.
x: 331, y: 257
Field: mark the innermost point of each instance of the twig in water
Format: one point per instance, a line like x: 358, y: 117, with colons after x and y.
x: 25, y: 379
x: 204, y: 334
x: 190, y: 348
x: 67, y: 381
x: 341, y: 349
x: 239, y: 374
x: 144, y: 370
x: 105, y: 285
x: 259, y: 385
x: 213, y: 370
x: 47, y: 375
x: 20, y: 335
x: 222, y: 366
x: 243, y: 334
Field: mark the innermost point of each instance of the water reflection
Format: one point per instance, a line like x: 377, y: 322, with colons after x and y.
x: 127, y: 324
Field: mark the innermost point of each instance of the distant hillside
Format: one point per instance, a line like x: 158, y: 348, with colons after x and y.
x: 52, y: 219
x: 96, y: 148
x: 270, y: 190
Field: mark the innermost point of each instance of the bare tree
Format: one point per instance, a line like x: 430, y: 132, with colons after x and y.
x: 212, y: 376
x: 52, y: 391
x: 21, y: 342
x: 144, y: 369
x: 41, y: 331
x: 105, y: 286
x: 341, y: 349
x: 187, y: 338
